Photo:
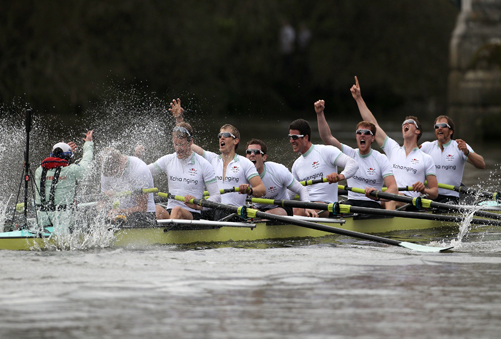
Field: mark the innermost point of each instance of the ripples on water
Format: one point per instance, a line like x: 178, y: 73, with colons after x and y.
x: 334, y: 287
x: 314, y: 291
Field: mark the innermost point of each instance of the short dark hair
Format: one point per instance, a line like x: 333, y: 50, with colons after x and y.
x: 369, y: 124
x: 233, y: 130
x: 184, y: 135
x: 449, y: 121
x: 258, y: 142
x: 302, y: 126
x: 418, y: 123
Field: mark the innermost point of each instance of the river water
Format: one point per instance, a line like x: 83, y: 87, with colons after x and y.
x: 338, y: 287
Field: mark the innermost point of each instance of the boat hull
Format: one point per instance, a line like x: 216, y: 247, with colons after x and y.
x: 174, y: 232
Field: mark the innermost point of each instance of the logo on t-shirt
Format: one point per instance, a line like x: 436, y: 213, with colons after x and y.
x: 414, y: 161
x: 449, y: 157
x: 192, y: 171
x: 235, y: 169
x: 272, y: 189
x: 315, y: 164
x: 371, y: 171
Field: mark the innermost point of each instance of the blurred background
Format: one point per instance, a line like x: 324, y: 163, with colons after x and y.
x: 114, y: 67
x: 227, y: 58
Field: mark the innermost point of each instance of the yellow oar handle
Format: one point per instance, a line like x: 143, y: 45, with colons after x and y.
x: 303, y: 204
x: 467, y: 190
x: 312, y: 182
x: 138, y: 191
x: 224, y: 190
x: 250, y: 212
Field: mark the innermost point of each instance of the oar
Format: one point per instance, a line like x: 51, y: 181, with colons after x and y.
x: 496, y: 196
x: 304, y: 183
x: 136, y: 191
x: 225, y: 190
x: 337, y: 208
x: 427, y: 203
x: 20, y: 206
x: 471, y: 191
x: 246, y: 212
x: 341, y: 187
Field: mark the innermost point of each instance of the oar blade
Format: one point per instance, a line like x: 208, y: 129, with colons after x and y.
x: 423, y: 248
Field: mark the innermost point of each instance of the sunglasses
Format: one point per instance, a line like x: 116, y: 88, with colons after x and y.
x: 254, y: 151
x: 226, y: 135
x: 364, y: 132
x: 442, y: 125
x: 410, y: 121
x: 181, y: 130
x: 296, y: 136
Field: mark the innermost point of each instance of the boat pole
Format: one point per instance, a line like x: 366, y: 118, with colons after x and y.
x: 27, y: 165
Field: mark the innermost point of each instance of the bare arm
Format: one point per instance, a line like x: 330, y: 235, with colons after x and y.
x: 476, y: 160
x: 391, y: 184
x: 432, y: 189
x: 176, y: 110
x: 473, y: 158
x: 197, y: 149
x: 366, y: 113
x: 323, y: 126
x: 257, y: 186
x: 301, y: 190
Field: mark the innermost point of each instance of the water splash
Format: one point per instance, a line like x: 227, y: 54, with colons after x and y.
x: 123, y: 119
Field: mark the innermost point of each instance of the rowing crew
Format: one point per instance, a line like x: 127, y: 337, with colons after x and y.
x: 191, y: 169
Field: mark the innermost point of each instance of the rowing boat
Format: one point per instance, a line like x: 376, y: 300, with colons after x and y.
x: 182, y: 232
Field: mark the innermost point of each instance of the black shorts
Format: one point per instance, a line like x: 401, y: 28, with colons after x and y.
x: 196, y: 216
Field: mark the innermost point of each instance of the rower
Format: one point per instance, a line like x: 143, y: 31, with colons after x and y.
x: 127, y: 173
x: 277, y: 179
x: 374, y: 169
x: 58, y: 179
x: 411, y: 166
x: 450, y: 157
x: 315, y: 162
x: 188, y: 174
x: 231, y: 169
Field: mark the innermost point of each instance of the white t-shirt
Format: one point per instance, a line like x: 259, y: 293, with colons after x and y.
x: 136, y: 175
x: 185, y: 176
x: 408, y: 169
x: 239, y: 171
x: 449, y: 164
x: 277, y: 179
x: 372, y: 169
x: 317, y: 163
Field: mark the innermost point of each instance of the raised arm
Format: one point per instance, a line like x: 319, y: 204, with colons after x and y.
x: 197, y: 149
x: 473, y: 158
x: 366, y: 113
x: 176, y: 110
x: 323, y: 126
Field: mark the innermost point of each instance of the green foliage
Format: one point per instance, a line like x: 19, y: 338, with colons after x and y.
x: 223, y: 54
